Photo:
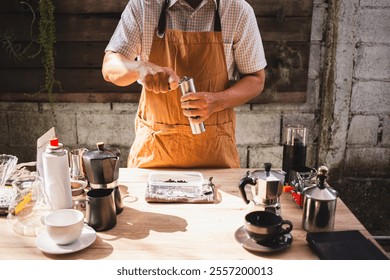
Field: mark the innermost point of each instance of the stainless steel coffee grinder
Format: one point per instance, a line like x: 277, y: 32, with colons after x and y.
x: 266, y: 188
x: 294, y: 149
x: 187, y: 85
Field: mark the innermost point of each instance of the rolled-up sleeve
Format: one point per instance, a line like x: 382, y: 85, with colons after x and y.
x: 248, y: 48
x: 126, y: 38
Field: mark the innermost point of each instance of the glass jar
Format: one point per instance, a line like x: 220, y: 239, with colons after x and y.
x: 29, y: 207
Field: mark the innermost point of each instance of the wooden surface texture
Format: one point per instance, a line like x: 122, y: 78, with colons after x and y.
x: 155, y: 231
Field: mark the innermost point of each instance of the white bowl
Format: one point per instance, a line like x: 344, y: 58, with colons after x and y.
x: 64, y: 226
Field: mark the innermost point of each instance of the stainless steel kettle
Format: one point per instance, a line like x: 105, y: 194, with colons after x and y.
x: 319, y: 204
x: 266, y: 187
x: 101, y: 167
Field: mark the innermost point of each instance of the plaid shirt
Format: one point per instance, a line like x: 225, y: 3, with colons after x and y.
x: 241, y: 37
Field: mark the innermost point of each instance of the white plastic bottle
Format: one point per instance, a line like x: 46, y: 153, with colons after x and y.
x: 56, y: 174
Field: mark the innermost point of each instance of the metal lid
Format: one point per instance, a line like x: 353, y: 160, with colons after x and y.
x: 100, y: 153
x: 267, y: 174
x: 326, y: 194
x: 322, y: 191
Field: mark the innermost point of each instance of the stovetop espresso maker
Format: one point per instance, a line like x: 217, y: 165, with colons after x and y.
x: 266, y: 188
x: 101, y: 167
x: 102, y: 170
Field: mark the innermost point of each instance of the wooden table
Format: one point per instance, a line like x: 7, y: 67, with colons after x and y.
x: 154, y: 231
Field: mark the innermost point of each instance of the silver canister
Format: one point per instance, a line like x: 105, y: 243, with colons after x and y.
x: 319, y: 205
x: 186, y: 86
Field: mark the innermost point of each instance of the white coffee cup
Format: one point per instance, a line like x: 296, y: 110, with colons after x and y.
x: 64, y: 226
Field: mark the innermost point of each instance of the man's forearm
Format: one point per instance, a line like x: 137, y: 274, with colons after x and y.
x: 244, y: 90
x: 119, y: 70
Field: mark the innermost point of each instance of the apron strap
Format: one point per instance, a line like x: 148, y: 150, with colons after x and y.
x: 217, y: 19
x: 162, y: 21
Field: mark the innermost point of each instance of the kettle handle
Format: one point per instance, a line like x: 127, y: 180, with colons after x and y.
x: 243, y: 182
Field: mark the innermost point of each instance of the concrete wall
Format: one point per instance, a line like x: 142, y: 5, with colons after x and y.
x: 355, y: 108
x: 347, y: 112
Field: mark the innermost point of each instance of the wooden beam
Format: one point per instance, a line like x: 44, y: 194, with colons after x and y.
x: 115, y: 97
x: 100, y: 27
x: 261, y: 7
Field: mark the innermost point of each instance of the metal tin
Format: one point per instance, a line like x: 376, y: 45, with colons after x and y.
x: 186, y: 86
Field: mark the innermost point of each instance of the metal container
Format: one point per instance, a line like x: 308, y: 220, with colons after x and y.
x: 101, y: 167
x: 186, y: 86
x: 319, y: 205
x: 266, y: 188
x: 102, y: 171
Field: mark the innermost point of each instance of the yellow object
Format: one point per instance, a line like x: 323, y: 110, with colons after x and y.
x: 26, y: 199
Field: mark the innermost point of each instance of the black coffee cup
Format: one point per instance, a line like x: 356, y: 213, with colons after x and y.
x: 265, y: 226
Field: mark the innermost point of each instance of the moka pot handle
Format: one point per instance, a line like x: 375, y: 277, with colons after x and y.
x: 243, y: 182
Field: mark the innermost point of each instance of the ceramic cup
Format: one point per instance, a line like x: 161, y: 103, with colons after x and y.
x: 64, y: 226
x: 265, y: 226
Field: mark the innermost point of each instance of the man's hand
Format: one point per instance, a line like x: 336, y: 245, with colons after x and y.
x: 198, y: 106
x: 158, y: 79
x: 123, y: 71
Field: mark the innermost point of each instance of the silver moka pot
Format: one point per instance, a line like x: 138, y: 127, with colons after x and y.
x: 266, y: 188
x: 319, y: 204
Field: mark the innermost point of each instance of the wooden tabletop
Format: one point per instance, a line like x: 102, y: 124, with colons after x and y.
x: 154, y: 231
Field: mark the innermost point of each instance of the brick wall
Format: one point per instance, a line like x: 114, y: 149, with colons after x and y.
x: 358, y: 151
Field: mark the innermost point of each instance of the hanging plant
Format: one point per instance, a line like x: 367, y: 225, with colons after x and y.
x: 47, y: 40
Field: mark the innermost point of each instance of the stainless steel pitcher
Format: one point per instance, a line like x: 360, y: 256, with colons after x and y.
x: 319, y: 205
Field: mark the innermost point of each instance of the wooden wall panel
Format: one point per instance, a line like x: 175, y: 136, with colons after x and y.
x: 83, y: 29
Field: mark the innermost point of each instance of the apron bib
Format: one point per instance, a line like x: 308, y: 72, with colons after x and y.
x: 163, y: 134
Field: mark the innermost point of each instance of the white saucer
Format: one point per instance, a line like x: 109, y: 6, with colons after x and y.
x: 248, y: 243
x: 47, y: 245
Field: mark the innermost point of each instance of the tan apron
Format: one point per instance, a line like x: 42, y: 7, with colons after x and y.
x: 163, y: 135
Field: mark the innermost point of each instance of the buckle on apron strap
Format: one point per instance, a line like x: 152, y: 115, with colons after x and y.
x: 160, y: 35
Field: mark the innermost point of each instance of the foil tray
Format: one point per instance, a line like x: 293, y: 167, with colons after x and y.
x: 178, y: 186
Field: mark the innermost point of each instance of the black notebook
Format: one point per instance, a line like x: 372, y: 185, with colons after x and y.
x: 344, y: 245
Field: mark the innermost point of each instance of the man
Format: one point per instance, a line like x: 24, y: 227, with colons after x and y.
x: 158, y: 42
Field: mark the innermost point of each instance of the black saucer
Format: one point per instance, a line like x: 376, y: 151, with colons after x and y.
x: 252, y: 245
